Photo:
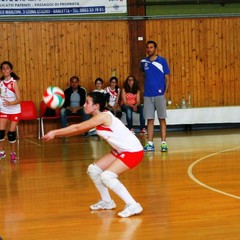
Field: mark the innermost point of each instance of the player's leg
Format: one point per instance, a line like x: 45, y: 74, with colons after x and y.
x: 3, y: 124
x: 12, y: 137
x: 94, y: 171
x: 110, y: 179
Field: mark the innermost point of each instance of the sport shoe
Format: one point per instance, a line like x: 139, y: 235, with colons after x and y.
x: 13, y: 157
x: 101, y: 205
x: 2, y: 154
x: 130, y: 210
x: 164, y: 147
x: 148, y: 148
x: 143, y: 131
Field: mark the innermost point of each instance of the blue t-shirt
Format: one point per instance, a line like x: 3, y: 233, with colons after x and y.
x: 155, y: 71
x: 75, y: 99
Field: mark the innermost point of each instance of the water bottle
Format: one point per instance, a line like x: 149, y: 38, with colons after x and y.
x: 169, y: 103
x: 183, y: 103
x: 189, y: 101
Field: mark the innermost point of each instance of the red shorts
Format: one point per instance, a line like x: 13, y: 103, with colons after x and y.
x: 131, y: 159
x: 11, y: 117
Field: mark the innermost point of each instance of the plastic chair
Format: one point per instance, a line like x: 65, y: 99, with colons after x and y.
x: 29, y: 113
x: 43, y: 108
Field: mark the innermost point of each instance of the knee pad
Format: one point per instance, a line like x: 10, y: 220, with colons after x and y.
x: 94, y: 172
x: 109, y: 179
x: 12, y: 137
x: 2, y: 135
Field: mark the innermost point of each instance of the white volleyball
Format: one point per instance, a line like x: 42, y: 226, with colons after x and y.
x: 54, y: 97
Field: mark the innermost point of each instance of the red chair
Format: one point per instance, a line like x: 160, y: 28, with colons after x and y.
x: 43, y: 108
x: 29, y: 113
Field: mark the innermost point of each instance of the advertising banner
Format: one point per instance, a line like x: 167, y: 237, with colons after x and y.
x: 60, y: 7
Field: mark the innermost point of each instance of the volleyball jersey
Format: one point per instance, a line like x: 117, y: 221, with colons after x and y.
x: 7, y: 92
x: 155, y: 71
x: 119, y: 136
x: 113, y: 96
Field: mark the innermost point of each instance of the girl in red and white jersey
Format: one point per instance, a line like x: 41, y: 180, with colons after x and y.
x: 126, y: 153
x: 114, y: 95
x: 10, y: 109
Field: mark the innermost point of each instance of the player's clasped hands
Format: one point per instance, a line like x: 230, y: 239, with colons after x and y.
x: 6, y: 103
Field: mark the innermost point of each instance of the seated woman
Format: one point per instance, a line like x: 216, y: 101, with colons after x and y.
x: 99, y: 85
x: 114, y: 93
x: 131, y: 103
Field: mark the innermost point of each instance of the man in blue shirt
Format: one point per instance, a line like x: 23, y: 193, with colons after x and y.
x: 156, y: 84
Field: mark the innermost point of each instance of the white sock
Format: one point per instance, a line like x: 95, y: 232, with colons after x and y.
x: 123, y: 193
x: 102, y: 189
x: 150, y: 142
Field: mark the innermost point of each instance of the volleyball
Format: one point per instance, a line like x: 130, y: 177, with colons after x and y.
x: 54, y: 97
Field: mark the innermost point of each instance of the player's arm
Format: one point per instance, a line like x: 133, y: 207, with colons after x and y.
x: 79, y: 128
x: 18, y: 95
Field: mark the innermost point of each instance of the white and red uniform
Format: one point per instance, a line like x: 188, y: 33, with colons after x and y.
x: 125, y: 144
x: 113, y: 95
x: 7, y: 93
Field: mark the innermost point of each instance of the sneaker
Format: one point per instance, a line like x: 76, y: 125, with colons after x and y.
x: 164, y: 147
x: 101, y: 205
x: 132, y: 130
x: 148, y: 148
x: 143, y: 131
x: 130, y: 210
x: 13, y: 156
x: 2, y: 154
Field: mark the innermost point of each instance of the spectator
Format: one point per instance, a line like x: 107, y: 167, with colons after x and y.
x: 131, y: 103
x: 99, y: 85
x: 114, y: 93
x: 75, y: 97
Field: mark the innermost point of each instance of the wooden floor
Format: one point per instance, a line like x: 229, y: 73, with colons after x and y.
x: 191, y: 193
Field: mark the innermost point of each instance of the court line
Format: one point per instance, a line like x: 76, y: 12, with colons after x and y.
x: 190, y: 174
x: 27, y: 140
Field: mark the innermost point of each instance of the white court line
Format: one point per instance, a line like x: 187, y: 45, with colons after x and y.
x: 190, y: 174
x: 39, y: 145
